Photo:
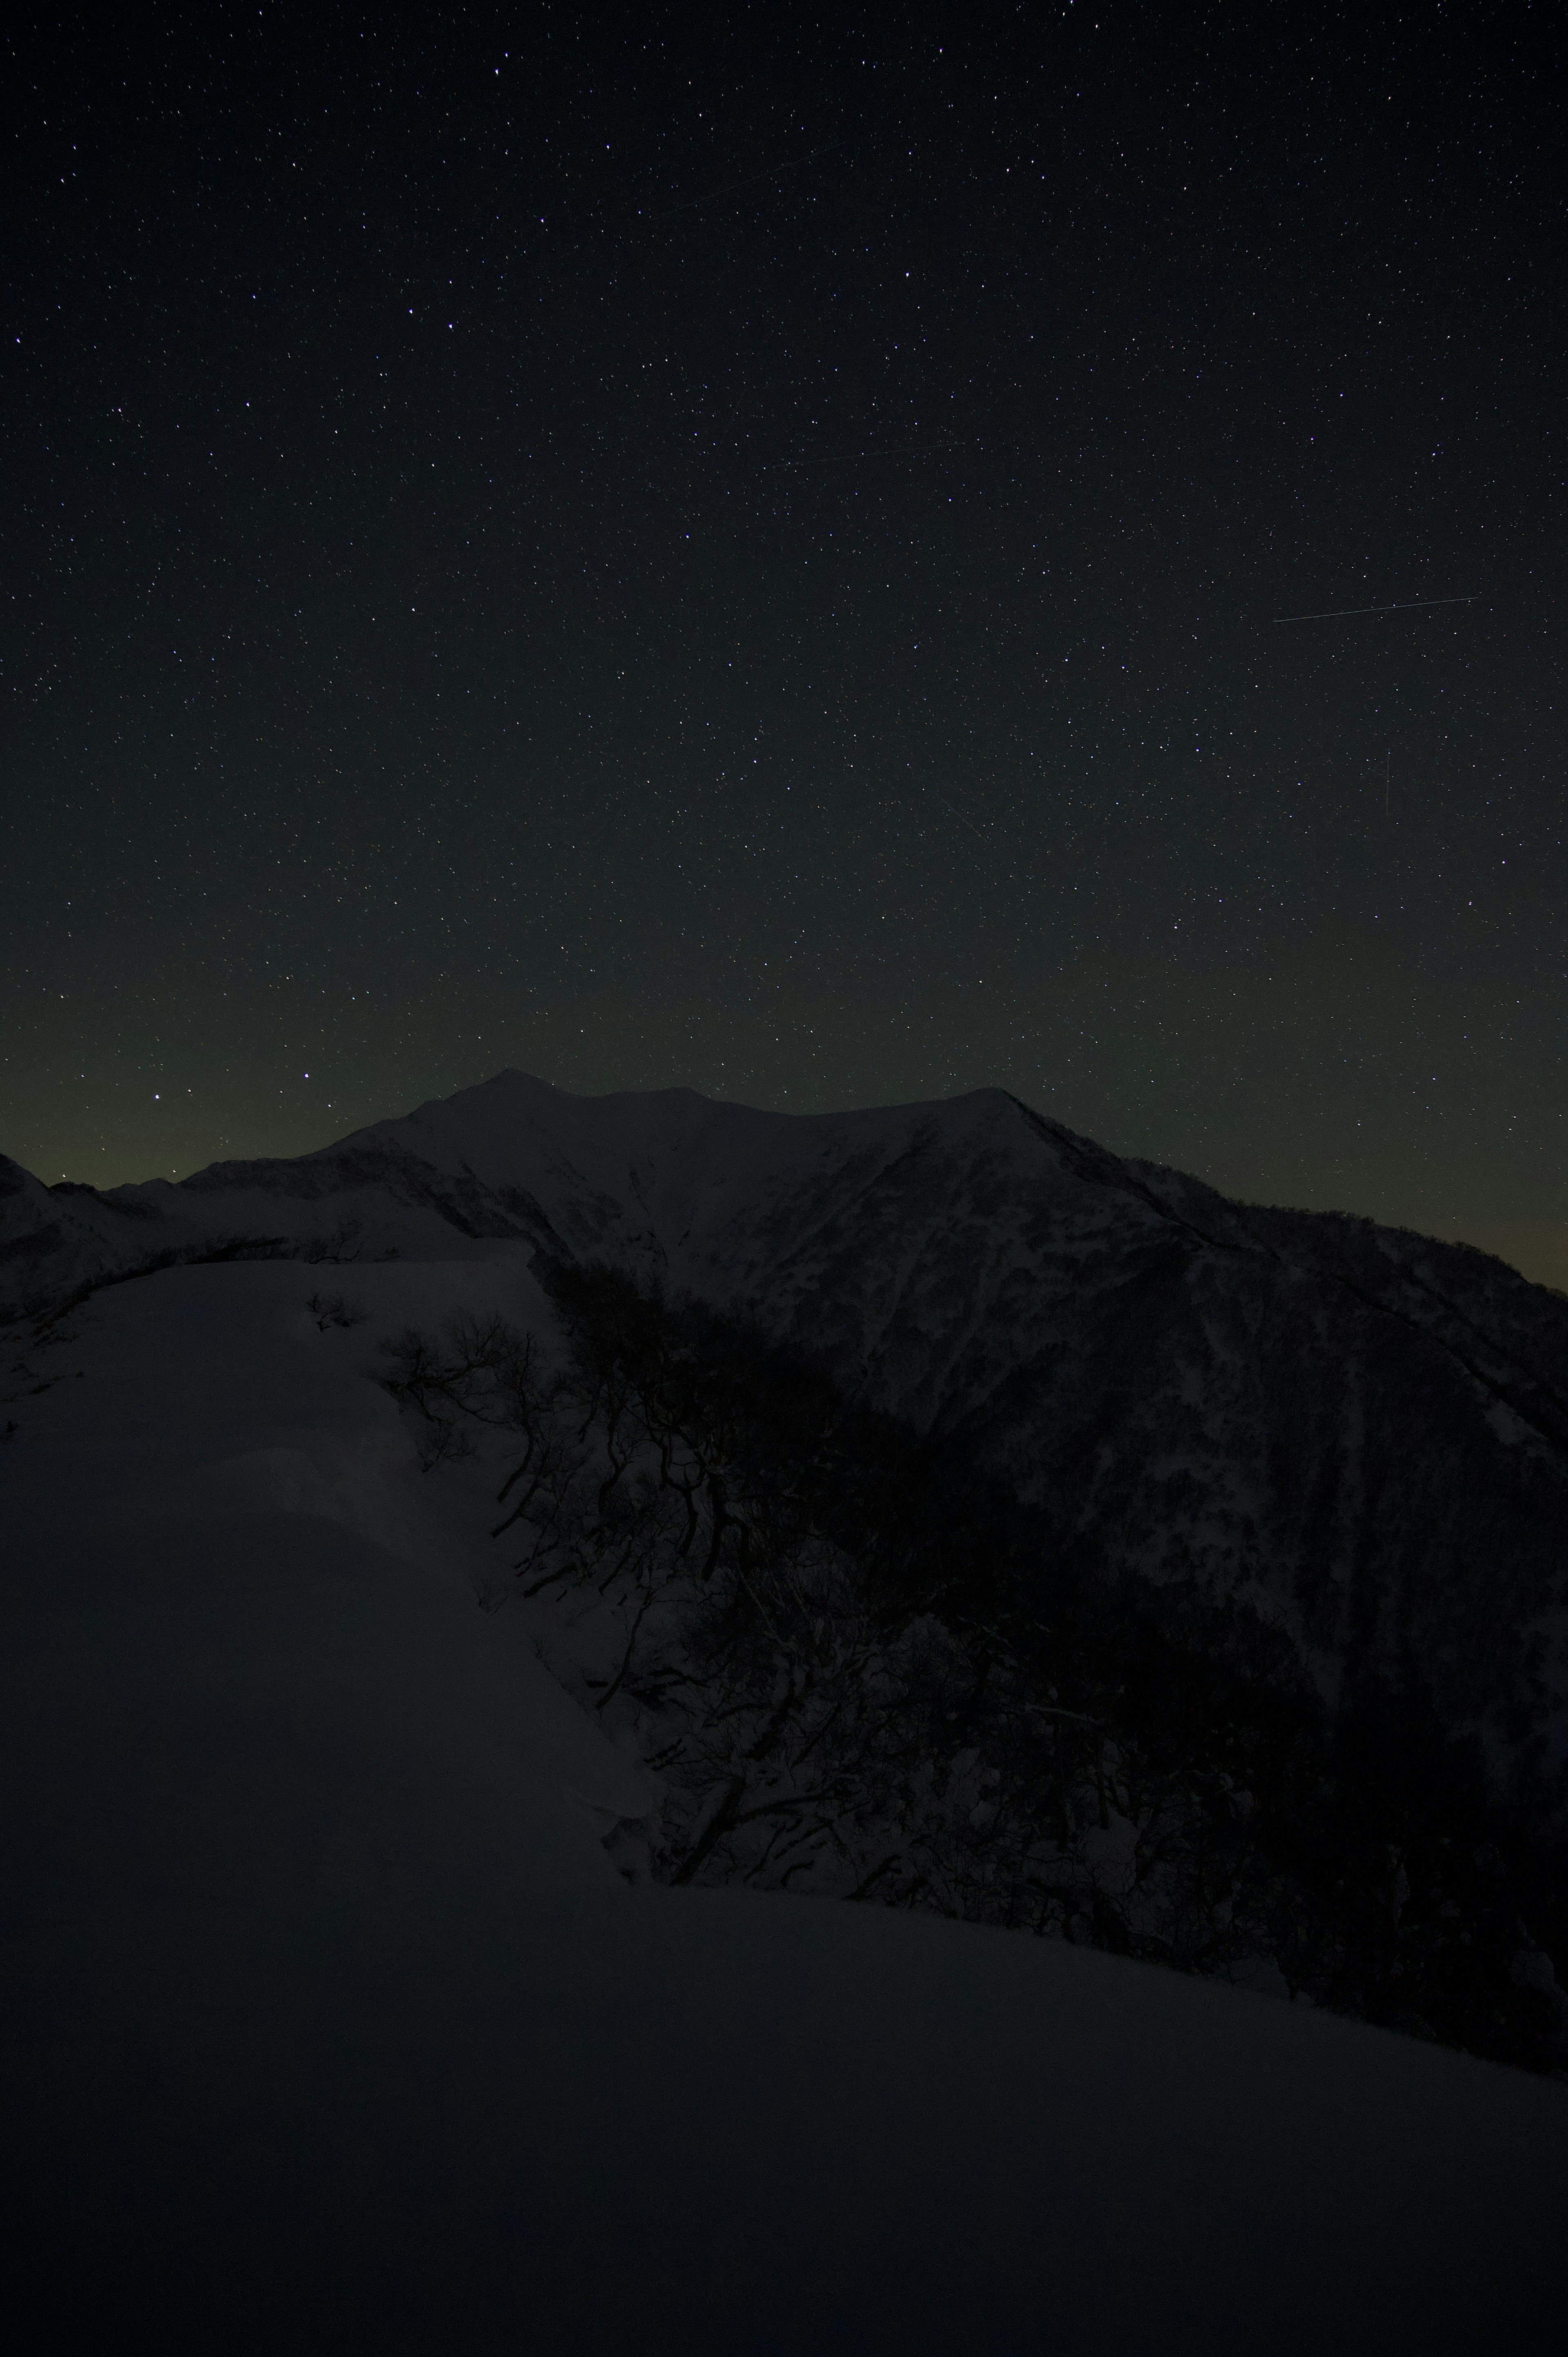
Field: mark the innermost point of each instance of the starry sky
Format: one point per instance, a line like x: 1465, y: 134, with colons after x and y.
x: 747, y: 551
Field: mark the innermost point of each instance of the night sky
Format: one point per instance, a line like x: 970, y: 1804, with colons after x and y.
x: 738, y: 550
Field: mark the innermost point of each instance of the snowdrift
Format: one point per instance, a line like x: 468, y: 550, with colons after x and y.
x: 330, y: 2024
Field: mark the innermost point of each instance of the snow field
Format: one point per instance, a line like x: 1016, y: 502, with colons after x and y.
x: 331, y: 2024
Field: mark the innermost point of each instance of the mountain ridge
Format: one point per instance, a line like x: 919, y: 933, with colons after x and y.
x: 1356, y: 1433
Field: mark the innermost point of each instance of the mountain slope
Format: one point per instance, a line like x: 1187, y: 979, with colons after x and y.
x: 329, y: 2024
x: 1360, y: 1433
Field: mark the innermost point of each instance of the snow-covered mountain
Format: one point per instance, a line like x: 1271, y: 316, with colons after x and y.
x: 1360, y: 1432
x: 328, y: 2023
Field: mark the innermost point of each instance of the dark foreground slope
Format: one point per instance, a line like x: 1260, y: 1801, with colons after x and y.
x: 329, y: 2024
x: 1359, y: 1432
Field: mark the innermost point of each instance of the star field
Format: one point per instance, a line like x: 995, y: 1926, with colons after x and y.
x: 745, y: 552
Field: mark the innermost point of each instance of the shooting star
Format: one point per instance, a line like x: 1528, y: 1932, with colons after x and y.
x: 1406, y: 606
x: 959, y: 814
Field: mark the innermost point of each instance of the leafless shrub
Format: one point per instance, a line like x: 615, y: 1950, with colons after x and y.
x: 855, y: 1679
x: 336, y: 1309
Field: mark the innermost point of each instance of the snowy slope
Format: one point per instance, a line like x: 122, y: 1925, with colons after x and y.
x: 1361, y: 1433
x: 330, y: 2025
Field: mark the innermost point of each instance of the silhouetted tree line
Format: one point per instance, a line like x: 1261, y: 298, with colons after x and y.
x: 858, y: 1666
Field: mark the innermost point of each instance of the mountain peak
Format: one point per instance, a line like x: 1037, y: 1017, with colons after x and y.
x: 1361, y: 1433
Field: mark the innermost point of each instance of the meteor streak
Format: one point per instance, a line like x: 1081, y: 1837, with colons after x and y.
x: 1406, y: 606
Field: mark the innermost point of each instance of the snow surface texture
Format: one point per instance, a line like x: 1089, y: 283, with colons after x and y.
x: 331, y: 2025
x: 1360, y: 1432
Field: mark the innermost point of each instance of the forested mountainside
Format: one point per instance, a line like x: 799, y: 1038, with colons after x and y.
x: 854, y: 1666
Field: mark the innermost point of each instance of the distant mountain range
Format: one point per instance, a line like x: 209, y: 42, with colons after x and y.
x: 1359, y: 1433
